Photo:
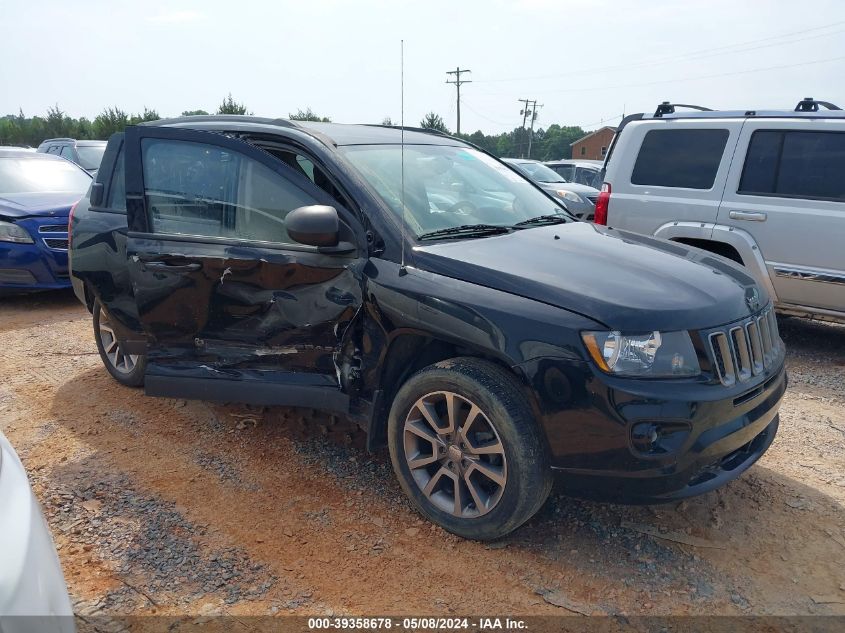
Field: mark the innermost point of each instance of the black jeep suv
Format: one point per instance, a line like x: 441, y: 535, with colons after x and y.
x: 431, y: 293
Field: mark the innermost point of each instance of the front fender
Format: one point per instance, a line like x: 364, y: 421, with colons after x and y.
x: 742, y: 241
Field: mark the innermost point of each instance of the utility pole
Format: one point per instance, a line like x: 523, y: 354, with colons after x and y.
x: 531, y: 133
x: 530, y: 108
x: 458, y: 83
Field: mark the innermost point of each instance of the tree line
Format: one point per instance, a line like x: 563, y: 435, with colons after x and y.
x: 18, y: 129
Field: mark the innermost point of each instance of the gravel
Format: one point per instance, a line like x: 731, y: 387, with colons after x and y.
x: 148, y: 541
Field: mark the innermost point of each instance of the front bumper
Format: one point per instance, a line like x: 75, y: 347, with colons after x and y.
x: 42, y: 265
x: 591, y: 438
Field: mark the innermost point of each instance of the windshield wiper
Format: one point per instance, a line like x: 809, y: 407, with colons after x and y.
x: 555, y: 218
x: 466, y: 230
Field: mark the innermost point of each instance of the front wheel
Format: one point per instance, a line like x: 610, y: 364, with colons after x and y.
x: 467, y: 450
x: 127, y: 369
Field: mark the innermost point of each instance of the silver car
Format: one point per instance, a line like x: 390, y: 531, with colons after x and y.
x: 579, y: 199
x: 31, y: 580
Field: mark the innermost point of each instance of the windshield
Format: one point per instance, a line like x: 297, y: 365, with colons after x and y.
x: 449, y: 186
x: 540, y: 172
x: 37, y: 175
x: 90, y: 155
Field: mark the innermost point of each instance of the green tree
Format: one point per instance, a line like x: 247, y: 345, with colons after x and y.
x: 108, y: 122
x: 193, y: 112
x: 308, y: 115
x: 387, y: 121
x: 433, y: 121
x: 58, y: 124
x: 554, y: 144
x: 230, y: 106
x: 146, y: 115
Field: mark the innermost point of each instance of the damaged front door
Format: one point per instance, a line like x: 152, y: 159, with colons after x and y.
x: 233, y: 308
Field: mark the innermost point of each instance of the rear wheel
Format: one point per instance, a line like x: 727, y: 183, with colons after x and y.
x: 466, y: 448
x: 127, y: 369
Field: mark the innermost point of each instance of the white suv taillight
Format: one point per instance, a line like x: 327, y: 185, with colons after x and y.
x: 602, y: 203
x: 70, y: 224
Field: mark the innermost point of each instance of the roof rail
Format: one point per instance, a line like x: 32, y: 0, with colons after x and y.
x: 669, y: 108
x: 61, y: 138
x: 808, y: 104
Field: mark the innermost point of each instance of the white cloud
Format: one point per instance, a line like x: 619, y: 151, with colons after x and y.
x: 175, y: 17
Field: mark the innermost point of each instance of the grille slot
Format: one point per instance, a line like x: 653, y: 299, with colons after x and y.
x: 756, y: 345
x: 742, y: 356
x: 52, y: 228
x: 722, y: 354
x: 56, y: 243
x: 745, y: 349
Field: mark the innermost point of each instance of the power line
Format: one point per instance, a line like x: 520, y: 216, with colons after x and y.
x: 699, y: 54
x: 714, y: 76
x: 458, y: 83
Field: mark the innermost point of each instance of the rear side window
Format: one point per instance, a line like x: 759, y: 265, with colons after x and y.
x: 789, y: 164
x: 199, y: 189
x: 680, y: 158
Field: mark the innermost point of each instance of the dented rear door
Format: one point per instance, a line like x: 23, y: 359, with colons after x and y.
x: 233, y: 309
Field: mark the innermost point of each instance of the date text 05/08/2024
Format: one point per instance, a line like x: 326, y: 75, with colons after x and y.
x: 422, y: 623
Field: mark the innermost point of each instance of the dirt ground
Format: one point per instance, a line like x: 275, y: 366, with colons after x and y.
x: 174, y: 507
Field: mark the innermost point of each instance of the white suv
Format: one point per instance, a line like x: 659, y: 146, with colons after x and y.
x: 766, y: 189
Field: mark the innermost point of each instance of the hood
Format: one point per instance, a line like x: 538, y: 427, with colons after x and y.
x: 626, y: 281
x: 574, y: 187
x: 45, y: 204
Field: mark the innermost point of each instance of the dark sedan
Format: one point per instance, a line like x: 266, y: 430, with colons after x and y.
x: 37, y: 192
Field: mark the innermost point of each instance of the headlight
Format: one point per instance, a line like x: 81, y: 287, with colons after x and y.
x: 652, y: 355
x: 568, y: 195
x: 13, y: 233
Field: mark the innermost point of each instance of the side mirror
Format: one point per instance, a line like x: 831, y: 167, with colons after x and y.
x: 96, y: 198
x: 314, y: 225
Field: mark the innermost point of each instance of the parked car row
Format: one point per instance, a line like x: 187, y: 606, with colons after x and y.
x: 86, y: 154
x: 579, y: 199
x: 36, y: 194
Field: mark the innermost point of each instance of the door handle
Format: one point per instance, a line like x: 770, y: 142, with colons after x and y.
x: 172, y: 268
x: 753, y: 216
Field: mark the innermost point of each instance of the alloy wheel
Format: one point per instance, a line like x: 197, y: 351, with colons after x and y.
x: 455, y: 454
x: 122, y: 362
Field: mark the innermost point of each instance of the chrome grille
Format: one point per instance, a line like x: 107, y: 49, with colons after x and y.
x: 593, y: 198
x: 745, y: 349
x: 52, y: 228
x: 55, y: 243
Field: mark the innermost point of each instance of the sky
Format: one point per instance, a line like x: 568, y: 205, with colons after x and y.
x: 585, y: 61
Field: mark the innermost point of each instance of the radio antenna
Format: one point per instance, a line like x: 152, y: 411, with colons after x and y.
x: 402, y: 270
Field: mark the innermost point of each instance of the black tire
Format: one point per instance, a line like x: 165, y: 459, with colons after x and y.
x: 130, y: 376
x: 525, y: 461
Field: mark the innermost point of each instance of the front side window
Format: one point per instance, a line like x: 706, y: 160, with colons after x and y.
x: 790, y: 164
x: 199, y: 189
x: 680, y: 158
x: 448, y: 186
x: 36, y: 175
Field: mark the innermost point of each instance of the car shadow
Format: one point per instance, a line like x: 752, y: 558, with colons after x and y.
x: 16, y: 311
x: 765, y: 543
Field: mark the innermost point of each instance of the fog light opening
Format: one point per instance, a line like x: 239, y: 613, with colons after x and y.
x: 658, y: 438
